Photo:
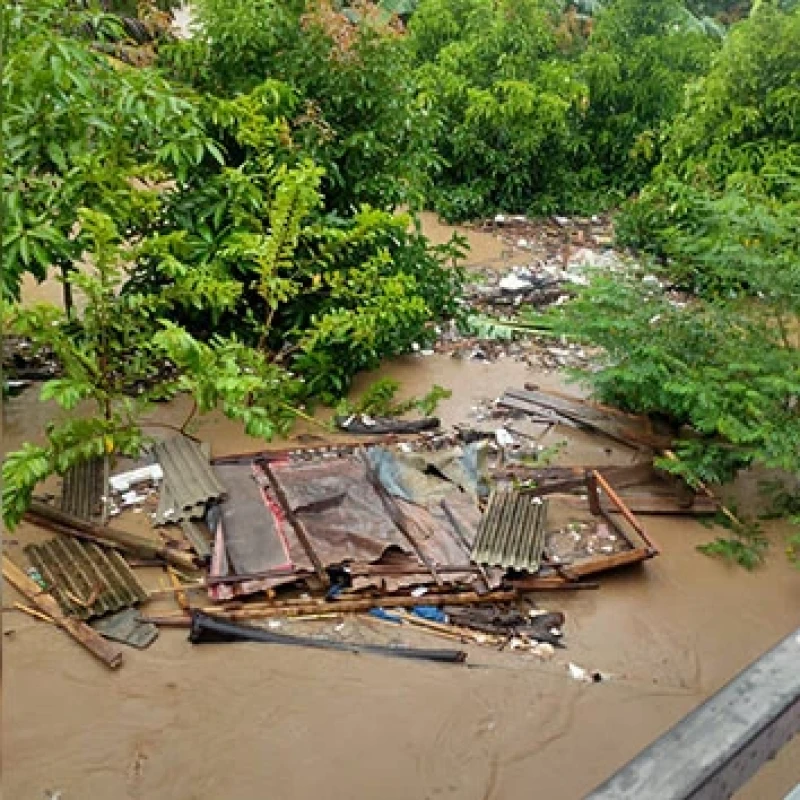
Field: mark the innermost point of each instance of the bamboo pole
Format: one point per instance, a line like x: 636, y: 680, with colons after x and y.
x: 32, y: 612
x: 60, y: 522
x: 271, y: 610
x: 108, y: 653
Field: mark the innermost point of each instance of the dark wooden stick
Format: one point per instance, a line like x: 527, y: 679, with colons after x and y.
x: 624, y: 510
x: 60, y: 522
x: 110, y: 654
x: 268, y: 610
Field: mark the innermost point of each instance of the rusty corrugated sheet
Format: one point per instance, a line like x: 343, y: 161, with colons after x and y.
x: 511, y: 533
x: 86, y: 570
x: 83, y: 489
x: 189, y: 480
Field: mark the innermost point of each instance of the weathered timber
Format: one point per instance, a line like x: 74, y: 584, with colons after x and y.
x: 108, y: 653
x: 56, y: 520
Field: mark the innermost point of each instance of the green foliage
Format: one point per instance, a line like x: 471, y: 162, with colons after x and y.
x: 538, y: 109
x: 503, y: 100
x: 357, y: 114
x: 79, y: 130
x: 721, y: 215
x: 747, y: 551
x: 721, y: 371
x: 640, y: 56
x: 229, y: 376
x: 119, y: 358
x: 732, y: 154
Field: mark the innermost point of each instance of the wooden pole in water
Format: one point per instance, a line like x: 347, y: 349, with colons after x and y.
x: 270, y: 610
x: 110, y: 654
x: 56, y: 520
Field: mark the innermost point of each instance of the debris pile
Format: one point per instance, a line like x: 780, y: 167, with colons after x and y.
x: 562, y: 254
x: 444, y: 532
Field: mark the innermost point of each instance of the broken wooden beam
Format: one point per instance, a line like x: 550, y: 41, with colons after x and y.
x: 635, y: 432
x: 108, y: 653
x: 271, y: 610
x: 46, y: 516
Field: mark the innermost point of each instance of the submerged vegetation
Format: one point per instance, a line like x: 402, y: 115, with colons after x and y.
x: 225, y: 210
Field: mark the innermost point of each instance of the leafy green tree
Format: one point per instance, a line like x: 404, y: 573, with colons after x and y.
x: 641, y: 55
x: 504, y: 101
x: 80, y: 130
x: 119, y: 358
x: 354, y: 110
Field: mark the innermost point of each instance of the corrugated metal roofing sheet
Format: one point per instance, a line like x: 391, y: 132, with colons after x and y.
x: 189, y: 480
x: 82, y: 489
x: 85, y: 571
x: 511, y: 532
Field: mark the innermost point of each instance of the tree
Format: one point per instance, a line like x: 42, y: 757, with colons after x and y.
x: 80, y: 130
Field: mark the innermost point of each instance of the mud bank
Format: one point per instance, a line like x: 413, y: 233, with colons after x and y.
x: 246, y: 721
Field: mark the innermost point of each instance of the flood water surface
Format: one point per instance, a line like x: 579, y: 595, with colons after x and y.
x: 180, y: 722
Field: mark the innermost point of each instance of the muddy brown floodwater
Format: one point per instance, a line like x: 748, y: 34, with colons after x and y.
x: 252, y: 721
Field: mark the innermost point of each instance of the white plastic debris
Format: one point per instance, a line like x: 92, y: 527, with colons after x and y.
x: 503, y: 437
x: 579, y: 673
x: 500, y: 219
x: 543, y: 650
x: 125, y: 480
x: 274, y: 623
x: 419, y: 591
x: 131, y: 498
x: 513, y: 283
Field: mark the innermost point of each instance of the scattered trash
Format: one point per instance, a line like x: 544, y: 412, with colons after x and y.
x: 363, y: 423
x: 124, y: 481
x: 467, y: 519
x: 584, y: 675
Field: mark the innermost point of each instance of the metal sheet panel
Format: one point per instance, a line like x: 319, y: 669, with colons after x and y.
x: 189, y: 480
x: 511, y: 532
x: 82, y: 490
x: 76, y: 569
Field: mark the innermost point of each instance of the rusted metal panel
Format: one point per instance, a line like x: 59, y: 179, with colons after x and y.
x: 189, y: 480
x: 86, y: 579
x: 511, y: 533
x: 83, y: 489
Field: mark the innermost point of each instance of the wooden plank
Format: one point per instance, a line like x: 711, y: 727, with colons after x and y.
x: 56, y: 520
x: 626, y: 429
x: 109, y: 653
x: 624, y: 510
x: 599, y: 564
x: 300, y: 609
